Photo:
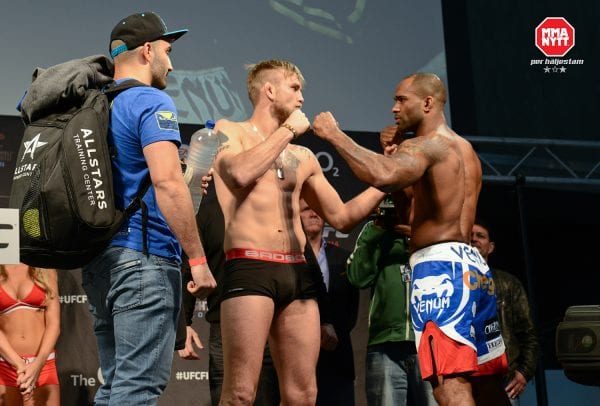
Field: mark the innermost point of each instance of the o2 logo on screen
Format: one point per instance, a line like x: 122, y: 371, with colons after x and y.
x: 327, y: 164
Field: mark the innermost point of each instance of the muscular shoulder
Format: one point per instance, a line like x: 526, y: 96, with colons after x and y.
x: 224, y: 124
x: 470, y: 157
x: 301, y: 152
x: 443, y: 142
x: 232, y: 128
x: 433, y: 146
x: 465, y: 145
x: 301, y: 156
x: 229, y: 131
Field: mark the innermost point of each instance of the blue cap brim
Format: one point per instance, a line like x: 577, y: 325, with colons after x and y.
x: 173, y: 35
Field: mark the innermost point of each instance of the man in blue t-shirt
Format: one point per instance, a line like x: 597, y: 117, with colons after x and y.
x: 134, y: 285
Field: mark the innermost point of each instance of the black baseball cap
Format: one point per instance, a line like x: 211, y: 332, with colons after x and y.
x: 140, y: 28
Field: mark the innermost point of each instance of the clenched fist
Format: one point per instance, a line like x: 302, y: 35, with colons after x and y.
x: 325, y: 124
x: 298, y: 121
x: 389, y: 138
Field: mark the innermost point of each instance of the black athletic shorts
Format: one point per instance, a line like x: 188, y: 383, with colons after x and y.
x: 282, y: 277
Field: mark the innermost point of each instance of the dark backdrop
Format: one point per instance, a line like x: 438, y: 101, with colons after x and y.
x: 495, y: 91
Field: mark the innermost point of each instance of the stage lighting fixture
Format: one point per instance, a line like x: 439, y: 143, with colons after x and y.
x: 578, y: 344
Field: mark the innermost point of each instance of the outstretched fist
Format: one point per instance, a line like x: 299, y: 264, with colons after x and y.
x: 325, y: 124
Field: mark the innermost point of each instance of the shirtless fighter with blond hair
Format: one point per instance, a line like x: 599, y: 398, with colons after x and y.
x: 268, y: 290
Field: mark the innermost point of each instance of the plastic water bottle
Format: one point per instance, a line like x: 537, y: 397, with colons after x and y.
x: 203, y: 147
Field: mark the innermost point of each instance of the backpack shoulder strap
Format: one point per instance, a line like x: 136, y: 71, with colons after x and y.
x: 113, y: 89
x: 138, y: 203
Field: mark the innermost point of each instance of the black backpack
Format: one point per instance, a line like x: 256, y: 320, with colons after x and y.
x: 63, y: 187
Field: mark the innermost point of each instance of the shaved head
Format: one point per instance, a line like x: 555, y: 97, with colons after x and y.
x: 428, y: 84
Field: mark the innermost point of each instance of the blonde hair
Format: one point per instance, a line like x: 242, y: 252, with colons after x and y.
x: 257, y: 75
x: 37, y: 275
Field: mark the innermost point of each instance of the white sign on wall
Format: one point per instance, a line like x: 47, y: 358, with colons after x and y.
x: 9, y: 236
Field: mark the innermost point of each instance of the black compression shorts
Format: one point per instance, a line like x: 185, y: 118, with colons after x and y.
x: 284, y: 278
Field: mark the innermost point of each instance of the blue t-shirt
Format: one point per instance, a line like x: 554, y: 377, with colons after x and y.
x: 141, y: 116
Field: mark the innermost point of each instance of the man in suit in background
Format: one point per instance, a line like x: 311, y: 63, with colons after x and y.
x: 335, y: 368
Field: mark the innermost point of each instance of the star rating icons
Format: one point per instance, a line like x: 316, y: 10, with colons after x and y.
x: 555, y: 69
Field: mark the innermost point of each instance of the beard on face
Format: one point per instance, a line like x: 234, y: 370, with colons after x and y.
x: 281, y: 113
x: 406, y: 124
x: 159, y: 75
x: 159, y: 84
x: 159, y: 81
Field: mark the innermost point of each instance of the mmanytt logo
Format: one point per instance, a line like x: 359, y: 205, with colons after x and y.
x: 32, y: 145
x: 555, y: 37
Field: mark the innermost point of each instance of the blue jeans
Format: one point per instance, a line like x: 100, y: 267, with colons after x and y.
x: 135, y: 301
x: 394, y: 377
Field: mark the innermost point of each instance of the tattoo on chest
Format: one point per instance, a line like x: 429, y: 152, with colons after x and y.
x: 290, y: 161
x: 221, y: 148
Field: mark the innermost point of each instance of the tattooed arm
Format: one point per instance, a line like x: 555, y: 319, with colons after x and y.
x: 240, y: 163
x: 388, y: 173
